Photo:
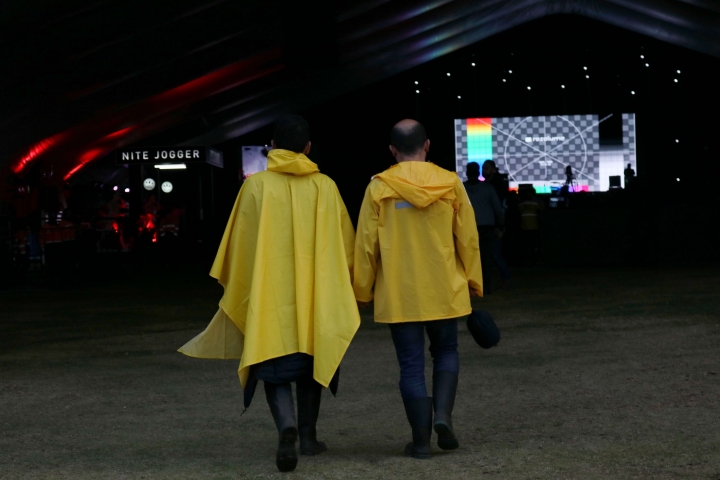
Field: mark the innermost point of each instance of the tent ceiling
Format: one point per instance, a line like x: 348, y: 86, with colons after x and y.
x: 84, y: 77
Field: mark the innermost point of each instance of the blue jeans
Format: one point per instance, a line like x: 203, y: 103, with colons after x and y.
x: 409, y: 340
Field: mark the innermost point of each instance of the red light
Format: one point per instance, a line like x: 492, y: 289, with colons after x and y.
x: 122, y: 132
x: 36, y: 150
x: 86, y: 157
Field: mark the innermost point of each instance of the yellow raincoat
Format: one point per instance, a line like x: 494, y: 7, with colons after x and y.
x: 285, y: 262
x: 417, y: 245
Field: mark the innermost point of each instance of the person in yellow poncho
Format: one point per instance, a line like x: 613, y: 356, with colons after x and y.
x: 288, y: 312
x: 417, y: 257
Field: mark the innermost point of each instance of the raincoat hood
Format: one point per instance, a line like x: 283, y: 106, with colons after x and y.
x: 285, y: 161
x: 420, y: 183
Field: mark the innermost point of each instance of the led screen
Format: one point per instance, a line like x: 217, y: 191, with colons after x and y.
x: 537, y: 150
x: 254, y: 160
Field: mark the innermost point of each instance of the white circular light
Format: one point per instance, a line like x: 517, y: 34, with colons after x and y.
x: 587, y: 76
x: 448, y: 74
x: 504, y: 80
x: 675, y: 80
x: 473, y: 64
x: 677, y: 141
x: 632, y: 92
x: 417, y: 91
x: 166, y: 187
x: 127, y: 190
x: 529, y: 88
x: 562, y: 86
x: 584, y: 68
x: 509, y: 71
x: 678, y: 71
x: 677, y: 179
x: 149, y: 184
x: 416, y: 82
x: 115, y: 188
x: 642, y: 56
x: 647, y: 64
x: 459, y: 97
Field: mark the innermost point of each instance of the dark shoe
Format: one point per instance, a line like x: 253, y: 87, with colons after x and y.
x: 444, y: 389
x: 309, y: 394
x: 282, y: 407
x: 286, y: 457
x: 419, y: 414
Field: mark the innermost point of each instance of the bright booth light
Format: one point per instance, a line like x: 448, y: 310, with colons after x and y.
x: 175, y: 166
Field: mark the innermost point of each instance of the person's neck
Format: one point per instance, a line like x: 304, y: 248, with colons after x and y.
x: 409, y: 159
x: 418, y: 157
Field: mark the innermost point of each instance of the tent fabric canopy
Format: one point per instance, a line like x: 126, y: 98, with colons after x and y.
x: 86, y: 77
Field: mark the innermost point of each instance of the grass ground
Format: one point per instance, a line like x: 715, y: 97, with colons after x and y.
x: 599, y: 374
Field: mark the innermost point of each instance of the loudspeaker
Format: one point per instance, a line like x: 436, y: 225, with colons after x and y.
x: 615, y: 181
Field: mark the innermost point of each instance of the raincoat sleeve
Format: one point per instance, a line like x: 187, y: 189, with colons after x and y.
x: 367, y: 248
x: 467, y: 242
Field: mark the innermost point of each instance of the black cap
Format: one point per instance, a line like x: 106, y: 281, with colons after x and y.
x: 483, y: 329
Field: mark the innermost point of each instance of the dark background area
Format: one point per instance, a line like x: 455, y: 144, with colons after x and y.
x: 665, y: 220
x: 350, y: 134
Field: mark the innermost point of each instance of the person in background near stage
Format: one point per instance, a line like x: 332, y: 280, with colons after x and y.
x: 489, y: 217
x: 629, y: 175
x: 529, y: 226
x: 288, y: 312
x: 492, y: 176
x: 417, y: 257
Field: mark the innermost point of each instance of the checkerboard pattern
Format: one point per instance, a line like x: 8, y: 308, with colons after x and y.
x: 629, y: 140
x: 539, y: 148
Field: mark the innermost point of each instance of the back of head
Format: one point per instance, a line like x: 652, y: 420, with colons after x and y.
x: 473, y: 170
x: 292, y: 132
x: 408, y: 137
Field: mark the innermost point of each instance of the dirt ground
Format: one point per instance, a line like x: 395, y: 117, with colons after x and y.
x: 599, y: 374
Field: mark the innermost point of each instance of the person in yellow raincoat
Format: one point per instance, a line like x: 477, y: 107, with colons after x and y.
x: 417, y: 257
x: 288, y: 312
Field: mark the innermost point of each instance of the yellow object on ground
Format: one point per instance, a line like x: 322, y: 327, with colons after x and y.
x: 417, y: 245
x: 285, y: 262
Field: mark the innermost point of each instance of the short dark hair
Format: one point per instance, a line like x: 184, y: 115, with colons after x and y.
x: 292, y: 132
x: 473, y: 167
x: 491, y: 162
x: 408, y: 140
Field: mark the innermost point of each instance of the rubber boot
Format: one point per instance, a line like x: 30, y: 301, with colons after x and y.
x: 444, y: 389
x: 279, y: 397
x: 419, y: 414
x: 309, y: 394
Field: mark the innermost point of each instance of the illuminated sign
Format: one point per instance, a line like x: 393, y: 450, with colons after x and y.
x: 154, y: 155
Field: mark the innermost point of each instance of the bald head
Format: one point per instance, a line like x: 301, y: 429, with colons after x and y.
x: 408, y: 136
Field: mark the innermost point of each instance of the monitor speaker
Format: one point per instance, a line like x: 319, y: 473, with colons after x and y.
x: 615, y: 181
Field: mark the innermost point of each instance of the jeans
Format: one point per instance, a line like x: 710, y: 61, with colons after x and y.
x: 409, y: 340
x: 285, y: 369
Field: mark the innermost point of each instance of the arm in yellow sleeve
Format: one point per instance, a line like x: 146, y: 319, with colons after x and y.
x: 466, y: 239
x: 367, y: 249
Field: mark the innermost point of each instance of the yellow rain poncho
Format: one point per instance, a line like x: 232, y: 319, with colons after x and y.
x: 285, y: 262
x: 417, y: 245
